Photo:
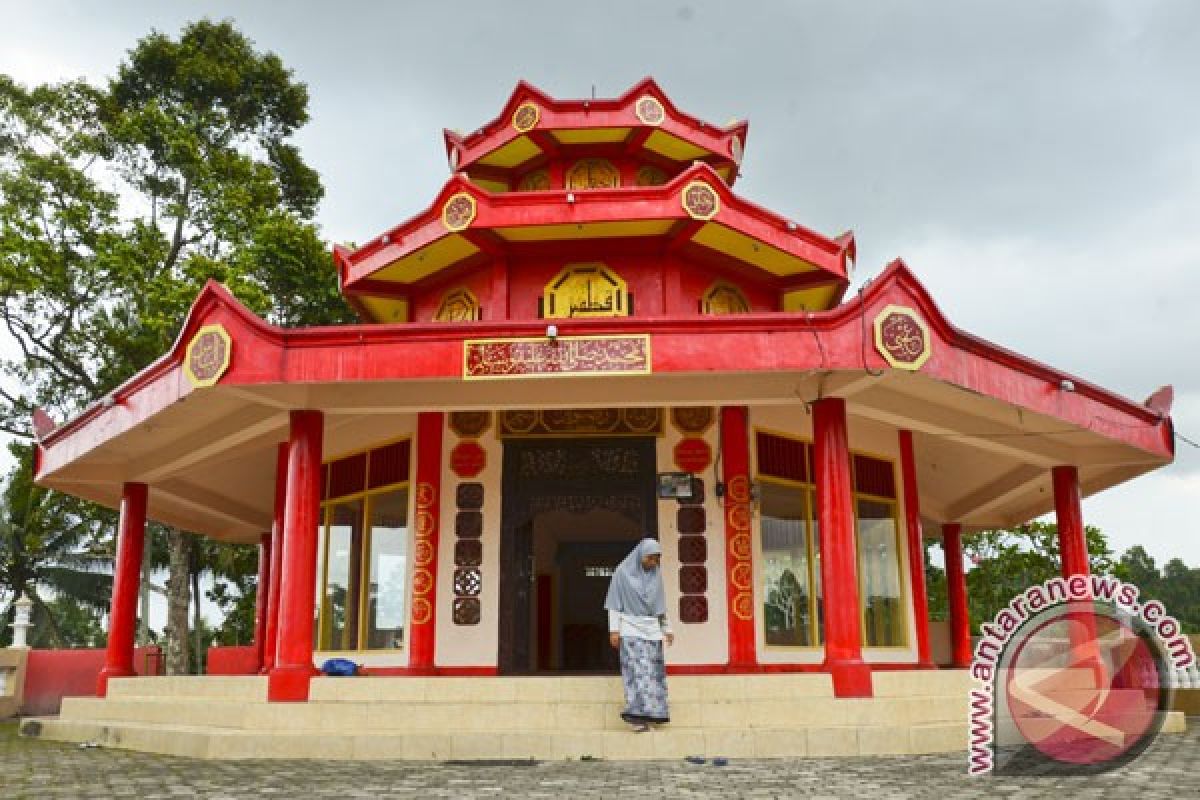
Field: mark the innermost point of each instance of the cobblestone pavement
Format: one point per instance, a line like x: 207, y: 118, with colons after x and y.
x: 28, y: 769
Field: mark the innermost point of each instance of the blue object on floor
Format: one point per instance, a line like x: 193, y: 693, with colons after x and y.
x: 720, y: 761
x: 339, y: 667
x: 694, y: 759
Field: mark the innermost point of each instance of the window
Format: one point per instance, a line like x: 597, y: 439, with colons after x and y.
x: 790, y: 544
x: 362, y: 583
x: 593, y: 173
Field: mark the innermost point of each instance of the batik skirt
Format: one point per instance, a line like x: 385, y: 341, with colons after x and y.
x: 644, y: 674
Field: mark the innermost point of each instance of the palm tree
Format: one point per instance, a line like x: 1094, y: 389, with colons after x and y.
x: 52, y: 546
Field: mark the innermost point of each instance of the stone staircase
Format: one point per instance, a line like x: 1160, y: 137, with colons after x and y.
x: 544, y: 718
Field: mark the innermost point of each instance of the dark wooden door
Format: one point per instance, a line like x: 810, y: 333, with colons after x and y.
x: 617, y: 474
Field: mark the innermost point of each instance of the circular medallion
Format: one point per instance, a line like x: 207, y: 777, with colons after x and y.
x: 422, y: 581
x: 739, y: 546
x: 739, y: 517
x: 743, y: 605
x: 700, y: 200
x: 458, y: 212
x: 424, y: 524
x: 642, y: 420
x: 467, y: 582
x: 207, y: 356
x: 902, y: 338
x: 470, y: 424
x: 468, y: 459
x: 738, y: 489
x: 423, y: 553
x: 693, y: 455
x: 425, y: 495
x: 742, y: 575
x: 522, y: 421
x: 693, y: 419
x: 525, y: 117
x: 649, y: 110
x: 422, y: 611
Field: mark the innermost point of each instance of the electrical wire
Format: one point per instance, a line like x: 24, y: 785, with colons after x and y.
x: 862, y: 339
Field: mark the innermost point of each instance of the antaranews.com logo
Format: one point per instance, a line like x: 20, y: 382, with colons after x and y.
x: 1074, y: 676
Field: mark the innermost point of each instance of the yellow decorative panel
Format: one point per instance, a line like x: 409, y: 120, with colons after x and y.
x: 458, y: 305
x: 815, y: 298
x: 594, y: 230
x: 649, y: 175
x: 496, y: 187
x: 386, y: 309
x: 593, y: 173
x: 725, y: 298
x: 586, y: 290
x: 536, y: 181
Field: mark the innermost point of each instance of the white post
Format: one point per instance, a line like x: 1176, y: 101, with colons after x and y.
x: 21, y: 623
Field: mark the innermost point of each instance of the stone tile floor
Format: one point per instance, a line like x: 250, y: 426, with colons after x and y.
x: 29, y: 768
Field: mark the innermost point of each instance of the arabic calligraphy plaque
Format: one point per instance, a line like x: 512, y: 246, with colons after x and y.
x: 207, y: 356
x: 568, y: 355
x: 582, y: 422
x: 902, y: 338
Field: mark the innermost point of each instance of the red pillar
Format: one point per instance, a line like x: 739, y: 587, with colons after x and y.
x: 271, y: 632
x: 262, y: 598
x: 916, y: 547
x: 839, y: 556
x: 423, y: 633
x: 1072, y: 542
x: 956, y: 591
x: 127, y: 571
x: 289, y: 678
x: 739, y: 583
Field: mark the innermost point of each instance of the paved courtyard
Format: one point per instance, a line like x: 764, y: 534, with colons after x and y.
x: 31, y: 769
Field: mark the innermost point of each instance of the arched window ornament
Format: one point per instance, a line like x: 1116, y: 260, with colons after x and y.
x: 593, y: 173
x: 458, y: 305
x: 536, y: 181
x: 650, y: 175
x: 586, y: 290
x: 724, y: 298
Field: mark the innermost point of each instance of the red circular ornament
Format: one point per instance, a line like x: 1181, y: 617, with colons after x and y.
x: 693, y: 455
x: 468, y: 459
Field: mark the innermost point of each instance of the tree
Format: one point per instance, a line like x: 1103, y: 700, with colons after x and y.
x: 117, y: 203
x: 53, y: 549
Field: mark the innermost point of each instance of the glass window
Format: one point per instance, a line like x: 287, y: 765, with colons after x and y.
x: 879, y: 573
x: 786, y: 567
x: 387, y: 606
x: 343, y: 560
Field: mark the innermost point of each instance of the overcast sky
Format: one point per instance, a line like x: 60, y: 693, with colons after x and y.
x: 1037, y: 164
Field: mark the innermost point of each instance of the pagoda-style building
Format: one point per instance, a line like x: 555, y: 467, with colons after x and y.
x: 586, y: 338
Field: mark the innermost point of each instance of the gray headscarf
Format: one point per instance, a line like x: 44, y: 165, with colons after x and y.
x: 634, y: 589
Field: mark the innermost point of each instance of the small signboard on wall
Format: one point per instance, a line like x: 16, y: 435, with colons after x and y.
x: 675, y: 484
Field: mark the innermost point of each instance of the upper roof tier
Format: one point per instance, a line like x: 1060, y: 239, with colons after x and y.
x: 534, y: 131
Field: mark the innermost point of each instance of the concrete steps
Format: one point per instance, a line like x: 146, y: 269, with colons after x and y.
x: 544, y: 718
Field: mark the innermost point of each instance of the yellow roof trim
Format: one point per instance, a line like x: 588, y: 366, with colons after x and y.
x: 386, y: 309
x: 428, y: 260
x: 516, y: 152
x: 598, y: 230
x: 496, y: 187
x: 814, y: 298
x: 590, y: 135
x: 750, y: 250
x: 673, y: 147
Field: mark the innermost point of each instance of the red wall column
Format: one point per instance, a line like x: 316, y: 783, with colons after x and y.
x: 271, y: 633
x: 916, y: 547
x: 261, y: 599
x: 423, y: 632
x: 956, y: 591
x: 1072, y: 542
x: 127, y: 572
x: 839, y: 554
x: 739, y: 571
x: 289, y: 677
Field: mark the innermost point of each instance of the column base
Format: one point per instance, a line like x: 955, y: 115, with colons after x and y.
x: 111, y: 672
x: 850, y: 678
x: 289, y: 684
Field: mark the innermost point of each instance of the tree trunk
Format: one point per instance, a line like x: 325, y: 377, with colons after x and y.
x: 143, y: 634
x: 178, y: 594
x: 197, y: 634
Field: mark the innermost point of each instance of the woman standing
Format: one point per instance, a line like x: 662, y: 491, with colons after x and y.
x: 637, y: 625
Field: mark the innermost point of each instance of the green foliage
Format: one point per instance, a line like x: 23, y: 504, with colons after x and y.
x: 1176, y: 585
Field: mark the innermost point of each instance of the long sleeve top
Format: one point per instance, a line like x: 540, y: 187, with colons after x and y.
x: 649, y: 628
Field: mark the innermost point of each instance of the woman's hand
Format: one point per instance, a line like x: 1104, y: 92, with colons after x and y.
x: 670, y: 637
x: 614, y: 639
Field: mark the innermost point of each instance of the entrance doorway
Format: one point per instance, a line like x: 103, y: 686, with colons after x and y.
x: 572, y: 509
